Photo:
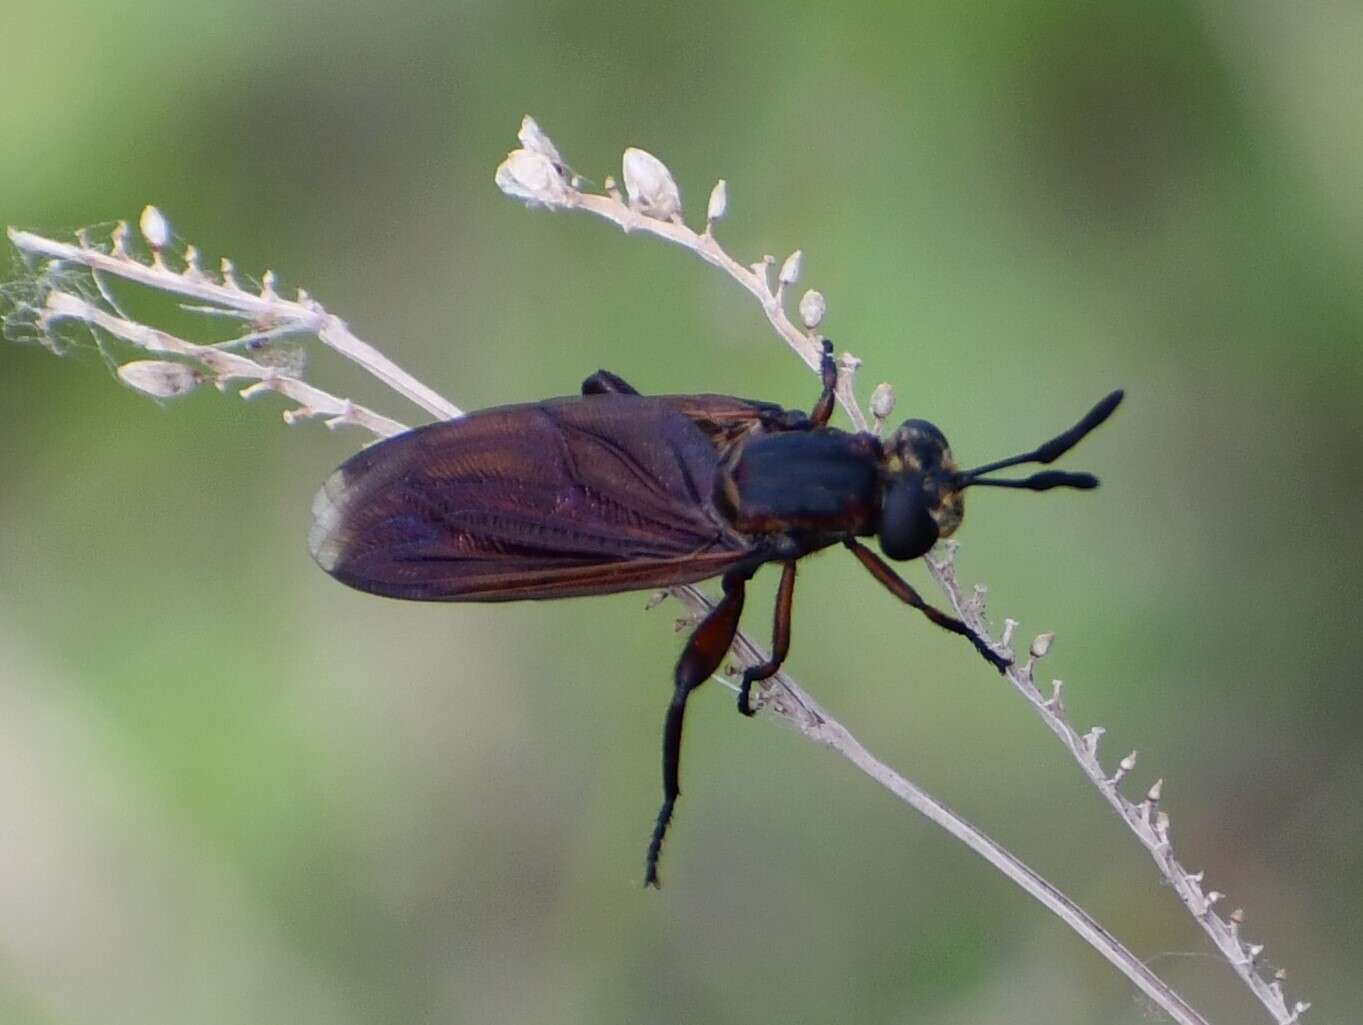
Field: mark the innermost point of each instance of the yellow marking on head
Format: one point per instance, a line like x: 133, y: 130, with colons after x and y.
x: 948, y: 513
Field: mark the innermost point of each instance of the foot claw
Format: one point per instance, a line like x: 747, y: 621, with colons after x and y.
x: 999, y: 662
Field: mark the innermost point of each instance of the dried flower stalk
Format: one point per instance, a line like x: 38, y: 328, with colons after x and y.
x: 536, y: 174
x: 1242, y: 956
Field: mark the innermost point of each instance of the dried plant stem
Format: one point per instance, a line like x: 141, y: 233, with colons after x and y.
x: 1145, y: 819
x: 785, y: 699
x: 225, y: 367
x: 304, y: 315
x: 536, y: 174
x: 757, y: 280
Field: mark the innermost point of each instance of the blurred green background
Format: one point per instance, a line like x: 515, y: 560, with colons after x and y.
x: 234, y: 791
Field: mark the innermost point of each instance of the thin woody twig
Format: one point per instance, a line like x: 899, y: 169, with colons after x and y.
x: 160, y: 380
x: 304, y: 314
x: 786, y: 700
x: 537, y: 174
x: 1146, y: 819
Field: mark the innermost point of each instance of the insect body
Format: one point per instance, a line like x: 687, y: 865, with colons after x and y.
x: 615, y: 491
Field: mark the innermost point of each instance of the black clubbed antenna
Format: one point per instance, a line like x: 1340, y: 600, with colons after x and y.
x: 1048, y: 453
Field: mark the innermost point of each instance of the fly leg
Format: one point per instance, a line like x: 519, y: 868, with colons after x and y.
x: 704, y: 651
x: 828, y: 370
x: 603, y: 382
x: 780, y: 641
x: 901, y: 589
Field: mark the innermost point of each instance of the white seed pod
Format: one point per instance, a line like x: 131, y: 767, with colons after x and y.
x: 1042, y: 644
x: 532, y: 138
x: 154, y: 227
x: 813, y: 306
x: 883, y: 401
x: 159, y: 378
x: 719, y: 201
x: 531, y: 177
x: 650, y: 186
x: 790, y: 270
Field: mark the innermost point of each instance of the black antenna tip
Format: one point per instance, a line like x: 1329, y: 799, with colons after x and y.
x: 1061, y: 479
x: 1103, y: 410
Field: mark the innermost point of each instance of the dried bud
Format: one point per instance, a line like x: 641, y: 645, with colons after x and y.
x: 882, y: 401
x: 1128, y: 763
x: 1041, y: 645
x: 532, y: 177
x: 155, y: 228
x: 1057, y: 692
x: 650, y: 186
x: 159, y: 378
x: 790, y: 270
x: 719, y: 201
x: 1238, y: 916
x: 812, y: 309
x: 1156, y: 790
x: 1214, y: 895
x: 1091, y: 739
x: 532, y: 138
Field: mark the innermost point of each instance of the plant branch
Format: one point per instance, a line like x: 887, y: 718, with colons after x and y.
x: 537, y: 175
x: 785, y: 700
x: 264, y: 310
x: 1146, y: 819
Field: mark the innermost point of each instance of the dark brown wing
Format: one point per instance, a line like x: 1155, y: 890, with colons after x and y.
x: 559, y: 498
x: 728, y: 420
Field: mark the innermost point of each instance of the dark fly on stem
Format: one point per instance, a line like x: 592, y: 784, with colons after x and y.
x: 616, y: 491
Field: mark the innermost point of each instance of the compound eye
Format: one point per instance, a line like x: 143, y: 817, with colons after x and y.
x: 907, y: 529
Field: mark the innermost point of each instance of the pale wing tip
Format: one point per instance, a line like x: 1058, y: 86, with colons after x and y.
x: 325, y: 541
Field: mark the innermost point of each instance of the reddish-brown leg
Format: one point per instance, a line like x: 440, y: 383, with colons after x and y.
x: 901, y: 589
x: 780, y: 640
x: 828, y: 370
x: 699, y: 660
